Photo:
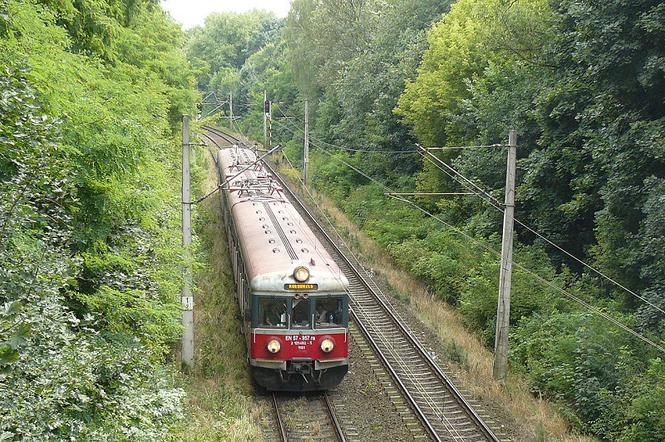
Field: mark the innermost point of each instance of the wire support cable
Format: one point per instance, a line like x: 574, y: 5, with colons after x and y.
x: 483, y: 194
x: 539, y: 278
x: 348, y: 149
x: 482, y: 146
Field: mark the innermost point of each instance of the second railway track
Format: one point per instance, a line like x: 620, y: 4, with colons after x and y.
x: 444, y: 413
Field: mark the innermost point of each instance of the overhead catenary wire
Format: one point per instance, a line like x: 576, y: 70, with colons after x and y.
x: 497, y: 205
x: 481, y: 146
x: 538, y: 277
x: 353, y: 167
x: 349, y: 149
x: 452, y: 172
x: 544, y: 281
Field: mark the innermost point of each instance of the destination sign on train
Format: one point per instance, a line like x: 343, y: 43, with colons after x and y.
x: 301, y: 286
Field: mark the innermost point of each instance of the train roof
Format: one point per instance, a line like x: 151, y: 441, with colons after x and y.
x: 274, y: 238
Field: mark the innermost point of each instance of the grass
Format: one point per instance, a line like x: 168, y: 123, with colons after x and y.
x: 537, y: 420
x: 220, y: 404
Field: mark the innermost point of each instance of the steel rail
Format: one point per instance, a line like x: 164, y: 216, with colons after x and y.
x: 280, y: 421
x: 333, y: 418
x: 329, y: 411
x: 447, y: 383
x: 420, y: 414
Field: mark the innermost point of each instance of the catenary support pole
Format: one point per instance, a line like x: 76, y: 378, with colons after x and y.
x: 187, y: 347
x: 265, y: 119
x: 505, y: 276
x: 305, y: 175
x: 230, y: 110
x: 269, y: 125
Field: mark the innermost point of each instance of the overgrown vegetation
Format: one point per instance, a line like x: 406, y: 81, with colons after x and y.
x: 220, y: 402
x: 89, y: 244
x: 582, y: 83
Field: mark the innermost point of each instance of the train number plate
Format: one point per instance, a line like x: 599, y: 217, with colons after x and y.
x: 300, y: 341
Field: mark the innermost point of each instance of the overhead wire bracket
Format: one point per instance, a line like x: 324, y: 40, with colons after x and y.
x: 221, y: 186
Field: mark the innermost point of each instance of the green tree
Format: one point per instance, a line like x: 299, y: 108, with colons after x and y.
x: 88, y: 267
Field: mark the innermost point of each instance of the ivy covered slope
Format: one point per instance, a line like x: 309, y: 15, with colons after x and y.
x: 91, y: 95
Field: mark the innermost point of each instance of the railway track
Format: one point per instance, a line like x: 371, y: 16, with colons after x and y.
x: 309, y: 417
x: 442, y: 410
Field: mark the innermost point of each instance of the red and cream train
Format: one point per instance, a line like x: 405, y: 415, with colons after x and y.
x: 293, y: 297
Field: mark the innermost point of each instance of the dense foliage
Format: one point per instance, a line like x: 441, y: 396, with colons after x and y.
x: 89, y: 264
x: 221, y: 48
x: 581, y: 81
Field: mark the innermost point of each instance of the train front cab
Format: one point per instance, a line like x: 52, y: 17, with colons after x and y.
x: 299, y: 342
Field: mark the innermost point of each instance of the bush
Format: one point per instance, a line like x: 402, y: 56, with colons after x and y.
x: 88, y: 269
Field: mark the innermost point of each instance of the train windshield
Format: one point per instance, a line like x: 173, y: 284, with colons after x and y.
x: 300, y: 313
x: 272, y: 312
x: 328, y: 312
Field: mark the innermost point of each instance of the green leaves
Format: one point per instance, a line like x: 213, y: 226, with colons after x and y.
x: 224, y: 44
x: 12, y: 335
x: 89, y: 265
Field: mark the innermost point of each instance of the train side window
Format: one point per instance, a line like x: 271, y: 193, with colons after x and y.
x: 300, y: 313
x: 272, y: 312
x: 328, y: 312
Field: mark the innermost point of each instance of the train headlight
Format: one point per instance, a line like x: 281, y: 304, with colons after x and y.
x: 273, y: 346
x: 327, y: 345
x: 301, y: 274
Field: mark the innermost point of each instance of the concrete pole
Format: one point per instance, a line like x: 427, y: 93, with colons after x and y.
x: 230, y: 110
x: 505, y: 276
x: 187, y: 348
x: 305, y: 175
x: 270, y: 125
x: 265, y: 120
